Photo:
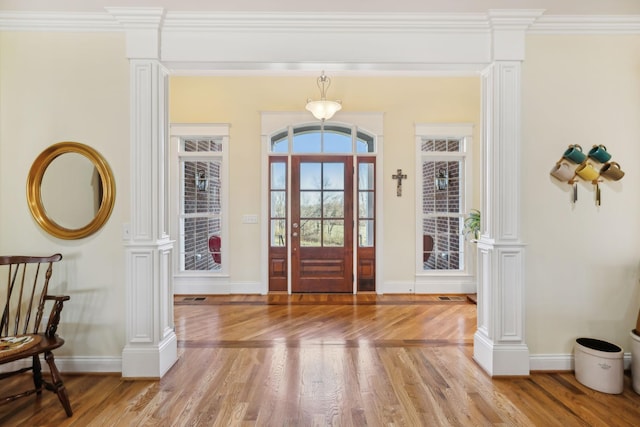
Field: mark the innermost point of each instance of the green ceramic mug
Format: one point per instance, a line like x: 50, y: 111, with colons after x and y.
x: 575, y: 154
x: 600, y: 153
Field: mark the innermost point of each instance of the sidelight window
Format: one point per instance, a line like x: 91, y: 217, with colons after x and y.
x: 442, y: 199
x: 201, y: 229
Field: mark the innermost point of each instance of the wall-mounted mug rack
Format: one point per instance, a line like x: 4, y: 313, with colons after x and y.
x: 596, y: 164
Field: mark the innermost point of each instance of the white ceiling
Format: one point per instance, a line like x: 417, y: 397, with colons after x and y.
x: 552, y: 7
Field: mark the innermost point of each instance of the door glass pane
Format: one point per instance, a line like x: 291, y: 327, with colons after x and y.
x: 310, y: 232
x: 278, y: 232
x: 333, y: 176
x: 365, y: 176
x: 278, y: 176
x: 310, y: 204
x: 310, y: 176
x: 333, y: 232
x: 365, y: 204
x: 333, y: 204
x: 365, y: 233
x: 278, y: 204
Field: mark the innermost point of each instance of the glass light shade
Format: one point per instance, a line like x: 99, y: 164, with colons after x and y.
x: 323, y: 109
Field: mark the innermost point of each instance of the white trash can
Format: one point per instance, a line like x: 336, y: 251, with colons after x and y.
x: 635, y: 360
x: 599, y: 365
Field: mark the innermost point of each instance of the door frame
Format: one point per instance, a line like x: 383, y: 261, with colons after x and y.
x: 273, y: 122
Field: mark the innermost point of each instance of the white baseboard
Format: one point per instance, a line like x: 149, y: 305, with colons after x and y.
x: 203, y: 286
x: 89, y: 364
x: 398, y: 288
x: 561, y: 362
x: 207, y: 287
x: 76, y: 365
x: 446, y: 288
x: 422, y: 285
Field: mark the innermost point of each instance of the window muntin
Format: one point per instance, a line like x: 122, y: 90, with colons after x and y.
x: 322, y: 201
x: 317, y: 203
x: 278, y: 203
x: 442, y: 202
x: 326, y: 139
x: 366, y: 203
x: 200, y: 217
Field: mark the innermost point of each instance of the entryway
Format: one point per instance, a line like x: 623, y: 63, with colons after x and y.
x: 322, y: 209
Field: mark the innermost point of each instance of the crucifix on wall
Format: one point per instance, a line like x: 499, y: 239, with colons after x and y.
x: 399, y: 177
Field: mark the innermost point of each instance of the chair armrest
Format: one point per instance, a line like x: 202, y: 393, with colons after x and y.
x: 54, y: 316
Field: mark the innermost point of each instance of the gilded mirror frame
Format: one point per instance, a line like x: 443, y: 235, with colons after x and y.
x: 34, y: 186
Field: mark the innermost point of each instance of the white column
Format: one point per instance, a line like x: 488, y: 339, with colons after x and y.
x: 499, y: 342
x: 151, y: 344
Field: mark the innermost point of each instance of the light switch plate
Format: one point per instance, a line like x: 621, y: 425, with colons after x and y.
x: 250, y: 219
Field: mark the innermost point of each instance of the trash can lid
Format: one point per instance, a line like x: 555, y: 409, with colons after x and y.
x: 599, y: 345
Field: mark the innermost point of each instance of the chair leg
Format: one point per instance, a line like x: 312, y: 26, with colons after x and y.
x: 57, y: 384
x: 37, y: 374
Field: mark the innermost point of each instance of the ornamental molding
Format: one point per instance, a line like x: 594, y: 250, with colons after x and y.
x: 120, y: 19
x: 587, y: 24
x: 57, y: 21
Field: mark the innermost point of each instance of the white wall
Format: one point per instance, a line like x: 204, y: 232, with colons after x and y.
x: 68, y: 87
x: 583, y: 261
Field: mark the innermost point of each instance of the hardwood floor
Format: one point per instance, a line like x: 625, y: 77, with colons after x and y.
x: 326, y: 360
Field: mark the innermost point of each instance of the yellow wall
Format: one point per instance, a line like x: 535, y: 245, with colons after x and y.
x: 404, y: 102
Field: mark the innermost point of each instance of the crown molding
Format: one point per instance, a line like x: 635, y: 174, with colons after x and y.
x: 513, y: 19
x: 137, y: 18
x: 586, y: 24
x: 57, y: 21
x: 344, y: 22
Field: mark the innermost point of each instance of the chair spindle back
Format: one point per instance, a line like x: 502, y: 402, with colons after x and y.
x: 23, y: 297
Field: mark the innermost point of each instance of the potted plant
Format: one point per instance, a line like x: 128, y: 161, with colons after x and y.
x: 471, y: 225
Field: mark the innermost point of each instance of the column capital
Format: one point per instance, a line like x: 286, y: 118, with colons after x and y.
x: 142, y: 28
x: 508, y: 28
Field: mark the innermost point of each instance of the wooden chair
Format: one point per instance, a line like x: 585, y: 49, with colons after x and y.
x: 23, y: 303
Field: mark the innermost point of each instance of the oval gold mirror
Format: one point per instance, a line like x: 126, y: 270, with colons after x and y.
x: 70, y: 190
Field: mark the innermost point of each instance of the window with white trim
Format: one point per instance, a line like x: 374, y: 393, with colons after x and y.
x: 442, y: 195
x: 201, y: 228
